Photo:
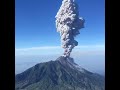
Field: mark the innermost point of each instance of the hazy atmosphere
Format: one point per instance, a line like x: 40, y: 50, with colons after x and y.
x: 36, y: 39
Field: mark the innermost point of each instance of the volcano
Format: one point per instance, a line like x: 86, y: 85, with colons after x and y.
x: 60, y: 74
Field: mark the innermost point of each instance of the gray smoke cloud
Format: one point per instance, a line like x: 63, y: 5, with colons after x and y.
x: 68, y: 24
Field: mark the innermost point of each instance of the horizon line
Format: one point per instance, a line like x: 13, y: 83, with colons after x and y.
x: 57, y: 47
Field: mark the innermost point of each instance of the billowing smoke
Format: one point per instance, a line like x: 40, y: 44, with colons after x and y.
x: 68, y: 23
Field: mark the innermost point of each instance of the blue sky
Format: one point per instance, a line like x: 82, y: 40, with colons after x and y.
x: 36, y: 38
x: 35, y: 23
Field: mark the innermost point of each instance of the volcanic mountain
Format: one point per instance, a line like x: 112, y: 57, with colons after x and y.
x: 61, y: 74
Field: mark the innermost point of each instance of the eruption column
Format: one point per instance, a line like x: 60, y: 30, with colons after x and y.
x: 68, y: 24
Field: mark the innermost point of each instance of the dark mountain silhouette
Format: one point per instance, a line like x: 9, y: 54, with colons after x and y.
x: 61, y: 74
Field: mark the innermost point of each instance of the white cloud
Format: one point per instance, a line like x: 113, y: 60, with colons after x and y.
x: 91, y: 46
x: 90, y: 57
x: 38, y: 48
x: 57, y: 47
x: 46, y: 50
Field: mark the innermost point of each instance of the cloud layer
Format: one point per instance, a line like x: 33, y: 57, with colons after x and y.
x: 46, y: 50
x: 90, y: 57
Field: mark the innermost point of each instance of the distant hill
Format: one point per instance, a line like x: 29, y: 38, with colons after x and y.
x: 61, y: 74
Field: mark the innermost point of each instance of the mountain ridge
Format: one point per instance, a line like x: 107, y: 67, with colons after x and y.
x: 61, y: 74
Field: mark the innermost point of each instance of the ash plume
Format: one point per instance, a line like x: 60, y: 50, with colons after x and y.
x: 68, y: 24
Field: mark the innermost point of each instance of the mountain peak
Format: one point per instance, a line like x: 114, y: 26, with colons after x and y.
x: 61, y: 74
x: 69, y: 62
